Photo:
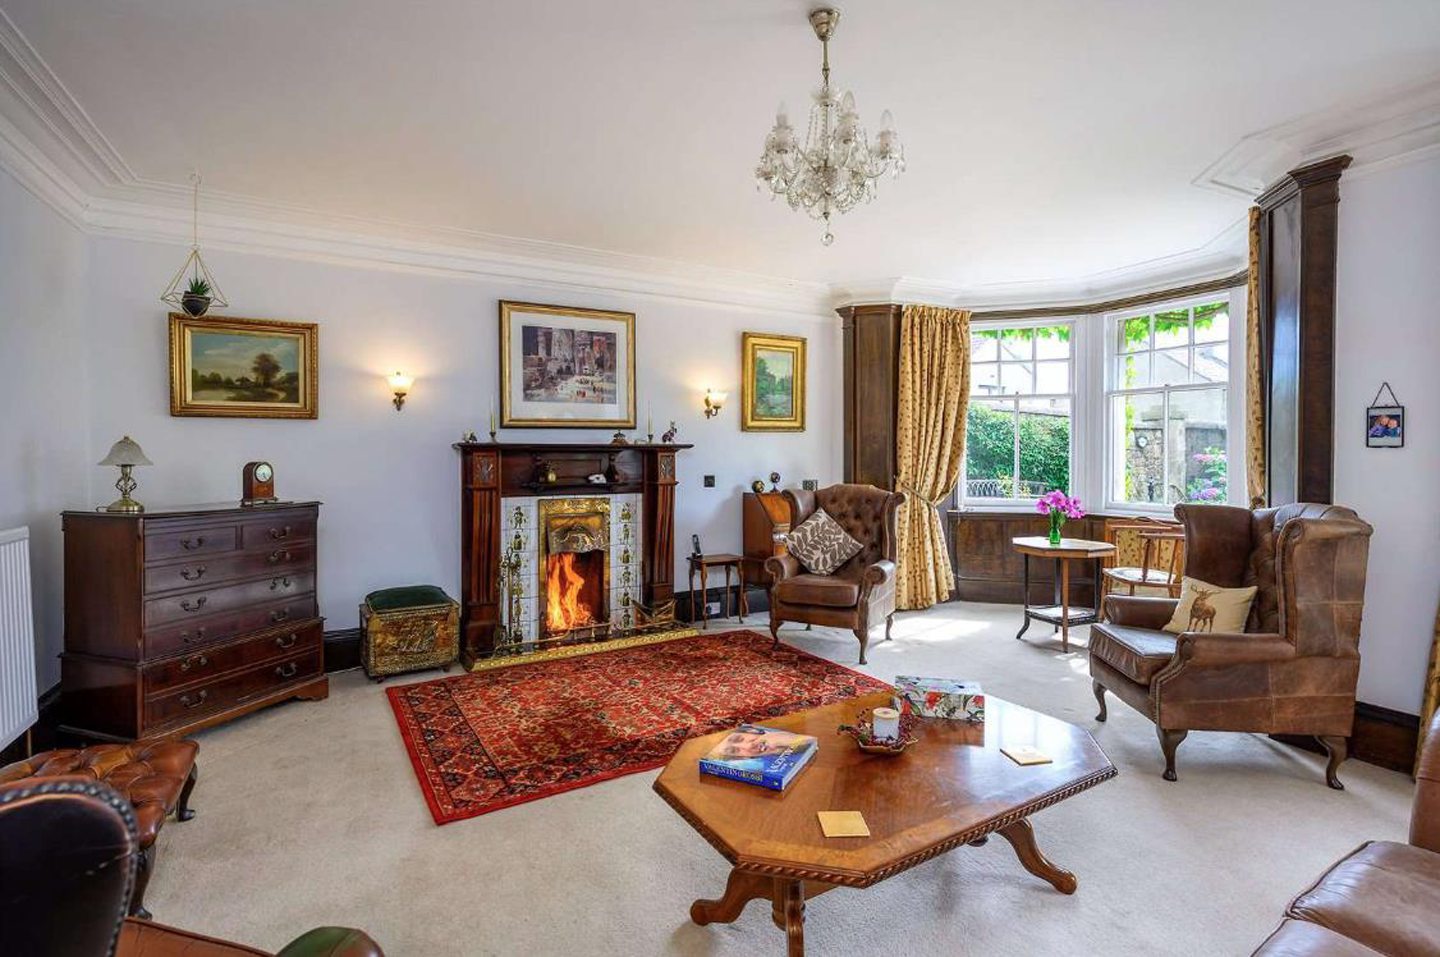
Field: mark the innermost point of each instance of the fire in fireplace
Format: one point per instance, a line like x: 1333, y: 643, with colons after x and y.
x: 575, y: 543
x: 574, y: 591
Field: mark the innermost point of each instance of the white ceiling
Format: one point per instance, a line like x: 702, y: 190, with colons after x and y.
x: 1047, y: 141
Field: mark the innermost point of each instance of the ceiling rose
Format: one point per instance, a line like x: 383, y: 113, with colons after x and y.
x: 836, y: 168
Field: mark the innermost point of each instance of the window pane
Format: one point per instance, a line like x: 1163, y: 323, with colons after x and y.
x: 1212, y: 363
x: 1138, y: 448
x: 1134, y: 334
x: 1133, y: 371
x: 1212, y: 322
x: 1016, y: 344
x: 984, y: 378
x: 1172, y: 328
x: 984, y: 346
x: 990, y: 449
x: 1044, y: 446
x: 1170, y: 367
x: 1052, y: 342
x: 1052, y: 377
x: 1195, y: 440
x: 1017, y: 377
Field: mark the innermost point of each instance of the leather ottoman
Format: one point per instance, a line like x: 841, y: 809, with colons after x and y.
x: 155, y: 776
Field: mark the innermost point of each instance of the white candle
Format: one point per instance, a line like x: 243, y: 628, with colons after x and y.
x: 886, y: 724
x: 650, y: 418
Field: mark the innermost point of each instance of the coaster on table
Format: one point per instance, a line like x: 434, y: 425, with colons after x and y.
x: 1026, y: 754
x: 843, y: 824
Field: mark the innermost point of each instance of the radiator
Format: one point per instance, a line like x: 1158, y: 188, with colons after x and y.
x: 18, y: 700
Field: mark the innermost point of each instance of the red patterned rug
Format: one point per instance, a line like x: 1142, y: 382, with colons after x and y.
x: 481, y: 742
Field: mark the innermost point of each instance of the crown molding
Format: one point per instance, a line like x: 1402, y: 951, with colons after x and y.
x: 1378, y: 132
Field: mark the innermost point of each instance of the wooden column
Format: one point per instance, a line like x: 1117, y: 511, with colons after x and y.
x: 659, y: 547
x: 1299, y: 219
x: 480, y: 554
x: 871, y: 377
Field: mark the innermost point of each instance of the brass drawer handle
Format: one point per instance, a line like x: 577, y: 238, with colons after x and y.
x: 279, y: 533
x: 278, y: 583
x: 194, y: 661
x: 286, y: 641
x: 194, y: 575
x: 194, y: 606
x: 198, y: 636
x: 287, y: 670
x: 278, y: 555
x: 194, y: 701
x: 280, y: 615
x: 190, y: 544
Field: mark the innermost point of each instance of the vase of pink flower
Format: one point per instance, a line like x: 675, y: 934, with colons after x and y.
x: 1058, y: 506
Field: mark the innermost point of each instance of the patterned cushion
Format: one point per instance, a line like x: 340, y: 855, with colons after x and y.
x: 820, y: 544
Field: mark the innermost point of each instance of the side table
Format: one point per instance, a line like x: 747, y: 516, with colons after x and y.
x: 703, y: 564
x: 1059, y: 614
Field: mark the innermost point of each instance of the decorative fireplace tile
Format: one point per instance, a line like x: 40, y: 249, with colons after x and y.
x: 518, y: 513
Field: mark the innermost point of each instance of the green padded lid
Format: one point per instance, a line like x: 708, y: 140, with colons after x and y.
x: 407, y: 596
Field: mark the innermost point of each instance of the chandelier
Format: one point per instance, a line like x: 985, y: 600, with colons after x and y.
x: 836, y: 168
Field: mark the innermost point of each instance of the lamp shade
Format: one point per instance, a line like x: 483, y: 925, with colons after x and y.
x: 126, y: 452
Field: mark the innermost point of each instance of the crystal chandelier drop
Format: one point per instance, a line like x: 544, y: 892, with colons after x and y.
x: 836, y: 168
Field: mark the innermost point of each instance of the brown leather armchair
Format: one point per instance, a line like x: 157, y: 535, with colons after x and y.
x: 1294, y: 668
x: 71, y: 852
x: 859, y: 593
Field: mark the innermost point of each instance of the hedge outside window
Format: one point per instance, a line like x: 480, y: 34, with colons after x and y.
x: 1169, y: 372
x: 1018, y: 428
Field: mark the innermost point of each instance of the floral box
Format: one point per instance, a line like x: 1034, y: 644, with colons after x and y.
x: 939, y: 698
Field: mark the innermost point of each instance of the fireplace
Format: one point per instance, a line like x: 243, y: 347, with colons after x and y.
x: 574, y: 567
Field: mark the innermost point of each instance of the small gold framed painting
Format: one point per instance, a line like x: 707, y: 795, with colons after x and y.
x: 773, y: 383
x: 251, y: 368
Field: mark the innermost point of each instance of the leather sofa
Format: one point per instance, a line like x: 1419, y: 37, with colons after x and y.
x: 860, y: 593
x: 1382, y: 899
x: 71, y: 852
x: 1292, y: 670
x: 156, y: 777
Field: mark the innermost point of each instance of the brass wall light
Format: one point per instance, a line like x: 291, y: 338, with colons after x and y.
x: 400, y: 384
x: 126, y: 453
x: 713, y: 401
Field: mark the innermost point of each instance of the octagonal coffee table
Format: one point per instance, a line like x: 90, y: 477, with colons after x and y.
x: 951, y: 787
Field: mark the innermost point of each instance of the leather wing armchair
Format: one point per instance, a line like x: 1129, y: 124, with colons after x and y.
x: 858, y: 594
x: 72, y: 847
x: 1294, y: 668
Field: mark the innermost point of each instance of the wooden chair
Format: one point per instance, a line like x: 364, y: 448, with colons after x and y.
x: 1149, y: 554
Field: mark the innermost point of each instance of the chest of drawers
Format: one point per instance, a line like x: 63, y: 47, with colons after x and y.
x: 179, y: 619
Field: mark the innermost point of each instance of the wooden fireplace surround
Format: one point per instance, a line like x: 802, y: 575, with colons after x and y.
x: 491, y: 471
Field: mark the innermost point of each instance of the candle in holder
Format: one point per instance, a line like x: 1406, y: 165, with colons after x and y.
x: 650, y: 419
x: 885, y: 724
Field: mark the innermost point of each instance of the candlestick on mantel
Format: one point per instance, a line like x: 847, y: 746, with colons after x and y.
x: 492, y: 421
x: 650, y: 422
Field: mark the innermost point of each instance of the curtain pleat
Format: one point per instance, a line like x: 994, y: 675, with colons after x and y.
x: 934, y: 392
x: 1254, y: 374
x: 1432, y: 688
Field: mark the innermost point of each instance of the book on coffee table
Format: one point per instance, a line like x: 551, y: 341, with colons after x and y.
x: 759, y: 755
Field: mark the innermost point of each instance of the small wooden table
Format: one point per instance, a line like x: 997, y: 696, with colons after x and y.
x: 952, y: 787
x: 703, y: 564
x: 1059, y: 614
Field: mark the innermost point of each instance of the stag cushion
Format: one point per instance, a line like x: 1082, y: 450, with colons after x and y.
x: 820, y: 544
x: 1210, y: 608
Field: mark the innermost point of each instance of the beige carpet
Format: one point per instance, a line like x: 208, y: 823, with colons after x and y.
x: 310, y: 814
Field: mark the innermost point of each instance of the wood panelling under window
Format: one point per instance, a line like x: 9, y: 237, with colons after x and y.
x: 987, y: 567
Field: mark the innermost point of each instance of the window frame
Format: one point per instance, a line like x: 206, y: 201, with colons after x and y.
x: 1074, y: 377
x: 1232, y: 386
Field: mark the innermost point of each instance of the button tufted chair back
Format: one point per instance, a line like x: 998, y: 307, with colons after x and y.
x: 865, y: 512
x: 68, y: 866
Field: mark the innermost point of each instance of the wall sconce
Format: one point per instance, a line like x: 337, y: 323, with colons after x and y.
x: 400, y: 385
x: 713, y: 401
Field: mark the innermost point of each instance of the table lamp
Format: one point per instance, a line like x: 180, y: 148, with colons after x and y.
x: 127, y: 454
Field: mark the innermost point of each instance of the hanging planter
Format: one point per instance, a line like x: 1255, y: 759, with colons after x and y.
x: 193, y: 289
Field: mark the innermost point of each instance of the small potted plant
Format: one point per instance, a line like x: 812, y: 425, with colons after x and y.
x: 197, y: 297
x: 1059, y: 507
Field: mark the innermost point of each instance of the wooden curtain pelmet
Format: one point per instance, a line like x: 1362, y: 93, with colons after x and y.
x: 1114, y: 305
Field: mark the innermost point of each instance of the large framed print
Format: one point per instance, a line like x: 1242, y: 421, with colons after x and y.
x: 566, y: 368
x: 772, y: 383
x: 247, y: 368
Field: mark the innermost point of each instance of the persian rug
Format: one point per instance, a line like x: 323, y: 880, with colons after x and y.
x: 481, y: 742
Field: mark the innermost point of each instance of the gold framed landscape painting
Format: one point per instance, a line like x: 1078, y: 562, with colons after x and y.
x: 773, y: 383
x: 566, y: 368
x: 251, y: 368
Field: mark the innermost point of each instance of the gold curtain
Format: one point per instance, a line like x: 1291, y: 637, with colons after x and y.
x: 1254, y: 374
x: 934, y: 393
x: 1432, y: 688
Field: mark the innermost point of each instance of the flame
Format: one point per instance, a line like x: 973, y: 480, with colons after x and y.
x: 565, y: 607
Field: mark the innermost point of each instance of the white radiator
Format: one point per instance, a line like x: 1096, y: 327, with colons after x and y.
x: 19, y: 707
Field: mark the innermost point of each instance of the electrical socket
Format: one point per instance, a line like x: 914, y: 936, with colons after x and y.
x: 712, y: 608
x: 709, y: 481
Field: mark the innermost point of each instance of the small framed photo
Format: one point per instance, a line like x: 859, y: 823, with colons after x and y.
x: 1385, y: 426
x: 248, y: 368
